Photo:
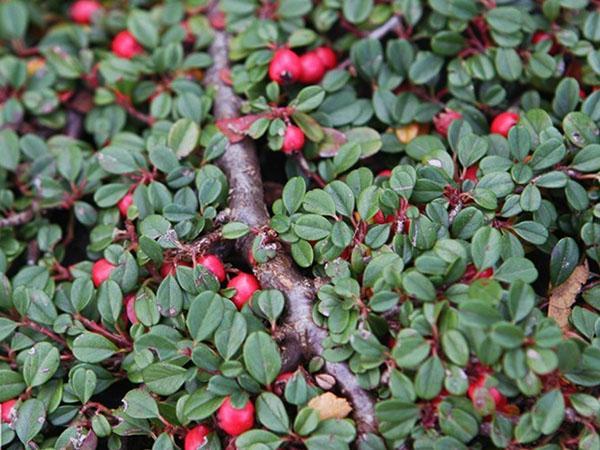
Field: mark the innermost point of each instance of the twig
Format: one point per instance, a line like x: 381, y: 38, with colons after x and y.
x: 384, y: 29
x: 303, y: 163
x: 121, y: 341
x: 246, y: 201
x: 43, y: 330
x: 17, y: 219
x: 379, y: 32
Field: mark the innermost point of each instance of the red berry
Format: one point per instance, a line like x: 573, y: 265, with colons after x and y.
x: 385, y: 173
x: 125, y: 45
x: 312, y: 68
x: 251, y: 259
x: 129, y: 301
x: 7, y: 408
x: 444, y: 119
x: 170, y: 267
x: 245, y: 285
x: 293, y: 140
x: 327, y: 57
x: 197, y: 437
x: 101, y: 271
x: 285, y: 66
x: 235, y: 421
x: 503, y: 122
x: 540, y: 36
x: 380, y: 218
x: 214, y: 265
x: 280, y: 382
x: 82, y: 11
x: 124, y: 204
x: 284, y: 377
x: 486, y: 273
x: 499, y: 399
x: 471, y: 173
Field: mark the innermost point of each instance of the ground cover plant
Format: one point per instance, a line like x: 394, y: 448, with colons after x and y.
x: 294, y: 224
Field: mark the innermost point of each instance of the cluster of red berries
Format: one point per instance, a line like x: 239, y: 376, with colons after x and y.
x: 233, y: 421
x: 287, y: 67
x: 124, y: 44
x: 245, y: 284
x: 501, y: 124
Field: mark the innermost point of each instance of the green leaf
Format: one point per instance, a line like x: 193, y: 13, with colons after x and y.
x: 139, y: 404
x: 293, y: 194
x: 9, y: 143
x: 566, y: 97
x: 312, y: 227
x: 83, y: 382
x: 485, y: 247
x: 368, y: 140
x: 319, y: 202
x: 548, y: 412
x: 14, y: 16
x: 456, y: 347
x: 205, y: 315
x: 117, y: 160
x: 357, y: 11
x: 12, y: 384
x: 41, y: 363
x: 425, y: 67
x: 235, y: 230
x: 201, y: 404
x: 309, y: 98
x: 261, y: 357
x: 164, y: 378
x: 587, y: 159
x: 302, y: 252
x: 271, y: 413
x: 142, y: 27
x: 7, y: 326
x: 93, y: 348
x: 30, y: 420
x: 508, y: 64
x: 429, y: 378
x: 531, y: 231
x: 270, y: 302
x: 183, y: 137
x: 563, y: 260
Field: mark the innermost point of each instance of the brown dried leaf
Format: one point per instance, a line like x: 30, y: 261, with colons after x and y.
x: 329, y: 406
x: 563, y: 296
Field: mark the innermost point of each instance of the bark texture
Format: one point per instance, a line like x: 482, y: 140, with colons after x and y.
x: 246, y: 203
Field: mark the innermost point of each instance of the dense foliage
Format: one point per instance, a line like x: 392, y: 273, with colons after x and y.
x: 431, y: 167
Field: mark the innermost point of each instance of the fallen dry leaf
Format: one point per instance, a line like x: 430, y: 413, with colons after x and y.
x: 329, y: 406
x: 407, y: 133
x: 563, y: 296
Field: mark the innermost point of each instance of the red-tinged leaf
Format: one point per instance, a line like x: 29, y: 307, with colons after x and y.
x: 225, y: 76
x: 334, y: 139
x: 236, y: 129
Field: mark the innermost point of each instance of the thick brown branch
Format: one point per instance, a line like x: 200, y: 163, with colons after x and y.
x: 246, y: 202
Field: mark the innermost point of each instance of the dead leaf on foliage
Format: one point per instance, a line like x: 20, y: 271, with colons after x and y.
x: 329, y: 406
x: 563, y: 296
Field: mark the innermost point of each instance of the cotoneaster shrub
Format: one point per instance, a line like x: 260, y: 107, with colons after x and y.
x: 430, y: 167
